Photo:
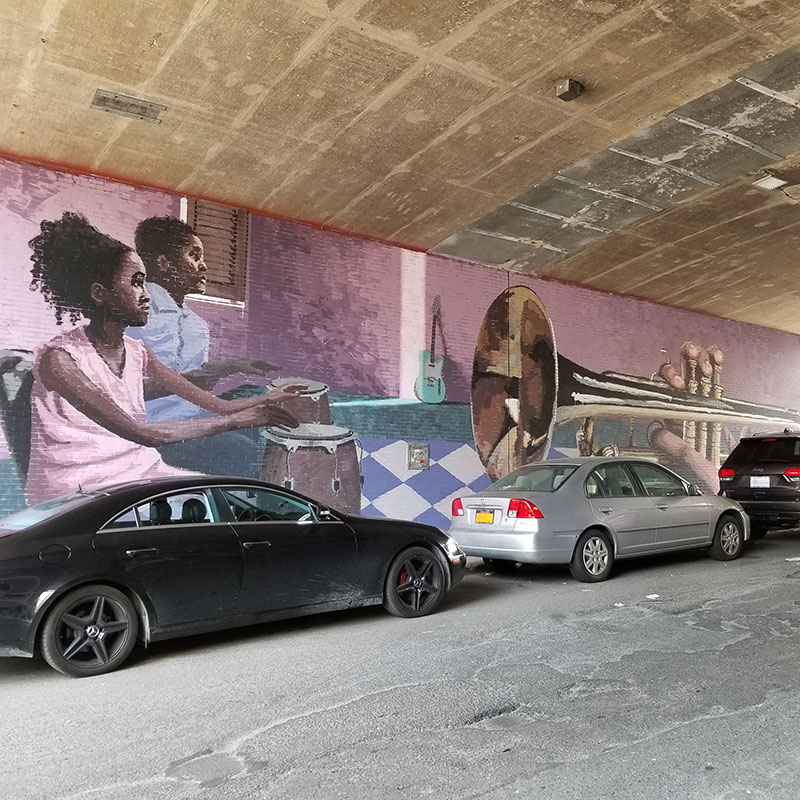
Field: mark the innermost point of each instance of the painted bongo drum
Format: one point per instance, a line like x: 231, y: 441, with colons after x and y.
x: 311, y: 403
x: 320, y: 461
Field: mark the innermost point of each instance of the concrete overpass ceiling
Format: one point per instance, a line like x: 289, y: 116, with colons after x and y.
x: 435, y: 125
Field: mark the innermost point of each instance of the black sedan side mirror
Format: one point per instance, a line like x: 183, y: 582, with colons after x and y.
x: 695, y: 490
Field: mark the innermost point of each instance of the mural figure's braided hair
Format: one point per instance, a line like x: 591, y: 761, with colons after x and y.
x: 69, y: 255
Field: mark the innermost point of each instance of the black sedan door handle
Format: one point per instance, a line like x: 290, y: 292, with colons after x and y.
x: 143, y: 551
x: 252, y: 545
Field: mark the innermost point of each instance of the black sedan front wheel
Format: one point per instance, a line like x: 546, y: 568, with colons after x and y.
x: 415, y: 583
x: 728, y: 540
x: 89, y: 631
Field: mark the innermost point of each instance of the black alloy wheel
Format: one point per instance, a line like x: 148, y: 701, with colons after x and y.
x: 415, y: 583
x: 90, y: 631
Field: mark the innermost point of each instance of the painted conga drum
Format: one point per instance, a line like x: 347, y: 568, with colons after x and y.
x: 320, y: 461
x: 310, y: 404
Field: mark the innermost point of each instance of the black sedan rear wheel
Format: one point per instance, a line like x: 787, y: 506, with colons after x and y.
x: 593, y: 557
x: 728, y: 539
x: 89, y: 631
x: 415, y: 583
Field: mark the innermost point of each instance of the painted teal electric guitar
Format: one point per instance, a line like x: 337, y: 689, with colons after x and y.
x: 429, y: 386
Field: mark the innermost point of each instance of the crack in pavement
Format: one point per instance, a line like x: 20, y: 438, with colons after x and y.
x: 562, y: 655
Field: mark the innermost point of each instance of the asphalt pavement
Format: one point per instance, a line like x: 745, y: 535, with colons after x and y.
x: 677, y: 678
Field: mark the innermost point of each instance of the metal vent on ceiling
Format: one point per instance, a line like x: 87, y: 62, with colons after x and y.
x: 770, y: 182
x: 126, y: 106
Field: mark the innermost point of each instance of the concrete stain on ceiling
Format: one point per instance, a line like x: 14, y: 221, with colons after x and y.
x: 726, y: 137
x: 436, y: 126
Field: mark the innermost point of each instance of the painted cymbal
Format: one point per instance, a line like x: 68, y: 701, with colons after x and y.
x: 514, y: 382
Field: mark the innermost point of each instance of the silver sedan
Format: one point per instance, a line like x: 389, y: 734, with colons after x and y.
x: 588, y: 512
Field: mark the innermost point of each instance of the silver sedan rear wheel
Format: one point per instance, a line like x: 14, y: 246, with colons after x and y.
x: 593, y: 557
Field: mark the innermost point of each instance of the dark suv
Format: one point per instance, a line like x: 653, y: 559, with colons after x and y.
x: 762, y: 473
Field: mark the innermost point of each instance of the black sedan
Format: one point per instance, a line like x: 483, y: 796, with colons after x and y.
x: 85, y: 577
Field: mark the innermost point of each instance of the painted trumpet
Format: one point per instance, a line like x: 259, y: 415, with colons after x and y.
x: 522, y: 389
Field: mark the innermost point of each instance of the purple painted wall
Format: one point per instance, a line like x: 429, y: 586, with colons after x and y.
x: 354, y: 314
x: 324, y: 305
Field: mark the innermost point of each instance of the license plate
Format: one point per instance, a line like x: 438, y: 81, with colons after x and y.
x: 759, y: 481
x: 484, y: 516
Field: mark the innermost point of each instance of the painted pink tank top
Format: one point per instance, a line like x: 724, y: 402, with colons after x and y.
x: 68, y: 450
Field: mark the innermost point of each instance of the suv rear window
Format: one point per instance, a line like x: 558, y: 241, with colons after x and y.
x: 783, y: 450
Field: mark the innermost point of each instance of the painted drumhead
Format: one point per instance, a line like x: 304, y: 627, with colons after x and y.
x: 309, y: 387
x: 514, y: 383
x: 310, y: 433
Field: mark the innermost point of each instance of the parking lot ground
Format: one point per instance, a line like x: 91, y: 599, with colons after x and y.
x: 677, y: 678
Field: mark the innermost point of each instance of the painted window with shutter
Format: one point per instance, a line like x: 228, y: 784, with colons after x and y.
x: 223, y: 231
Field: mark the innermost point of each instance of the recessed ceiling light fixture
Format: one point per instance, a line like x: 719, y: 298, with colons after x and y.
x: 770, y: 182
x: 133, y: 107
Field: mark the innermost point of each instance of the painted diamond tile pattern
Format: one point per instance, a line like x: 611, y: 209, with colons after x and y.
x: 402, y: 502
x: 392, y: 490
x: 435, y: 483
x: 394, y: 457
x: 433, y: 517
x: 377, y: 479
x: 463, y: 462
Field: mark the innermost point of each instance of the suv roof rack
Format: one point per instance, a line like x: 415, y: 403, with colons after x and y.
x: 784, y: 432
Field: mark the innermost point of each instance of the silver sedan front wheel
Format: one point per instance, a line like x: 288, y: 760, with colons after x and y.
x: 728, y: 541
x: 593, y: 557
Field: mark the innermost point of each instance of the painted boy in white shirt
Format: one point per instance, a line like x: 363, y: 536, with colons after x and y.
x: 173, y: 256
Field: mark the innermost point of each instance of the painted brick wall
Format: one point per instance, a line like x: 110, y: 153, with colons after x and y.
x: 354, y: 315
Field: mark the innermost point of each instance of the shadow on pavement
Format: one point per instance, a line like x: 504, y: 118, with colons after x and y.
x: 546, y: 573
x: 464, y: 594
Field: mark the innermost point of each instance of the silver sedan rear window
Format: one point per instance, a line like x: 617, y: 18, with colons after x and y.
x: 536, y: 478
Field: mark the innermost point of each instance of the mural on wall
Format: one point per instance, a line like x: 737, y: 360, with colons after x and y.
x: 523, y: 389
x: 341, y: 357
x: 88, y: 422
x: 430, y: 385
x: 514, y: 383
